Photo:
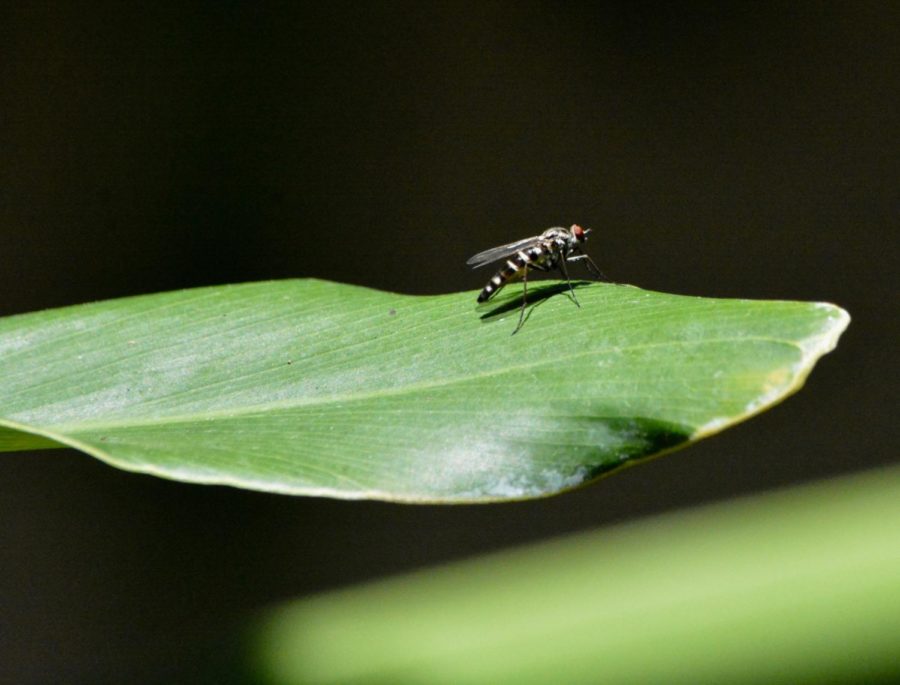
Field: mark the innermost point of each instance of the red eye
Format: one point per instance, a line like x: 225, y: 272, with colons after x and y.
x: 578, y: 231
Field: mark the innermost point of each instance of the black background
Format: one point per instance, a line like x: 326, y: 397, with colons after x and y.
x: 720, y: 152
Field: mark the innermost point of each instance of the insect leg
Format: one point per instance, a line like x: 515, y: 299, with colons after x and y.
x: 593, y: 268
x: 562, y: 267
x: 538, y: 266
x: 524, y: 298
x: 526, y: 265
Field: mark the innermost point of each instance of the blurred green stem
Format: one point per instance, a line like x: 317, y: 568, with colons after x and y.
x: 801, y: 585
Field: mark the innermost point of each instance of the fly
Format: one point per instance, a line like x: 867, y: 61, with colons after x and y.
x: 545, y: 252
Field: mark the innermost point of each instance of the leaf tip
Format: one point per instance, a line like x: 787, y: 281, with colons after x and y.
x: 782, y: 382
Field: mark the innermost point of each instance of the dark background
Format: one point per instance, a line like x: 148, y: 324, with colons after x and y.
x: 720, y: 152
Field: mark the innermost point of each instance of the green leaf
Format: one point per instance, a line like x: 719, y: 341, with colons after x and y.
x: 316, y: 388
x: 799, y: 586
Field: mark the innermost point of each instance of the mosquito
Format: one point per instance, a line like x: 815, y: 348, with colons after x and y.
x: 545, y: 252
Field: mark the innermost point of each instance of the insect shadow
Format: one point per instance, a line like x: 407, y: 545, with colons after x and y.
x: 537, y: 294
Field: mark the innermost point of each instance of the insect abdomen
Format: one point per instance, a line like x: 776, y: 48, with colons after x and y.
x: 501, y: 278
x: 513, y: 268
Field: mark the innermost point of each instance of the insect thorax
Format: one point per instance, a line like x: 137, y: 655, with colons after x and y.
x: 558, y: 242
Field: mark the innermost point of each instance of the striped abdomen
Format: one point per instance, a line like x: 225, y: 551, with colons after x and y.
x: 539, y: 256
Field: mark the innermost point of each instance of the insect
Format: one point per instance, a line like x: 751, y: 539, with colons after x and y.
x: 549, y: 250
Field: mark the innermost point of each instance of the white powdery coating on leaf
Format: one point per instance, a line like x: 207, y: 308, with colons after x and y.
x: 484, y: 466
x: 713, y: 426
x: 523, y: 485
x: 546, y: 481
x: 14, y: 343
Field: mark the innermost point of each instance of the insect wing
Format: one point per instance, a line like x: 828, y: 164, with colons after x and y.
x: 499, y: 252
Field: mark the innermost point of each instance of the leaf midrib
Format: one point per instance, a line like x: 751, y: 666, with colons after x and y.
x: 384, y: 392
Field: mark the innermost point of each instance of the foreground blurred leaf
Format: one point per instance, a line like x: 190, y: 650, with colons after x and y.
x: 311, y: 387
x: 801, y: 586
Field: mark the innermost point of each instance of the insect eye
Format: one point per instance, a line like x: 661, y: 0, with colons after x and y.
x: 578, y: 231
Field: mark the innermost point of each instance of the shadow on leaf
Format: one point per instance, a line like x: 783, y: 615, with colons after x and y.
x: 537, y: 294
